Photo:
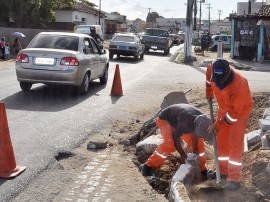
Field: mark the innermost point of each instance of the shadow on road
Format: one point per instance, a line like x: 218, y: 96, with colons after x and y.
x: 50, y: 98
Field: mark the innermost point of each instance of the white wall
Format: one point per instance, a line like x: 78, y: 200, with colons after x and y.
x: 63, y: 16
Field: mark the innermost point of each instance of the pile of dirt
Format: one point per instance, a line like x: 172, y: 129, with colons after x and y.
x: 255, y: 178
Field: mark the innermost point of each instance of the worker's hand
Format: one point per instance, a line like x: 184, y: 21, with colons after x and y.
x: 213, y: 129
x: 183, y: 159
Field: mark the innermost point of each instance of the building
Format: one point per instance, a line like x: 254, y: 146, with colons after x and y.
x: 242, y: 7
x: 81, y: 14
x: 171, y: 24
x: 115, y: 22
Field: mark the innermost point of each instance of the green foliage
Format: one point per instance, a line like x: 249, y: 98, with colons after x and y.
x: 151, y: 17
x: 196, y: 42
x: 89, y: 3
x: 31, y: 13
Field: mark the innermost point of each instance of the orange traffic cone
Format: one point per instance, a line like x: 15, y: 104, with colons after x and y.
x: 8, y: 167
x: 117, y: 85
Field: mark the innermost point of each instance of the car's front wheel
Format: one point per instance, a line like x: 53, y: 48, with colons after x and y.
x: 142, y: 55
x: 110, y: 56
x: 25, y: 86
x: 103, y: 80
x: 83, y: 88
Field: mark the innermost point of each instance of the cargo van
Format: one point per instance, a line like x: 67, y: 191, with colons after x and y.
x: 85, y: 29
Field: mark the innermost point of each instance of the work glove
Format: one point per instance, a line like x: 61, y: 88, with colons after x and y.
x: 183, y: 158
x: 219, y: 123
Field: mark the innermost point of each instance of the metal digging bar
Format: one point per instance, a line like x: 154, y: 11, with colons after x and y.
x: 218, y: 181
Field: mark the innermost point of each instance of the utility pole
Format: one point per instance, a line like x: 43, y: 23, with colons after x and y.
x: 209, y: 18
x: 249, y: 7
x: 201, y: 1
x: 149, y: 16
x: 219, y: 14
x: 99, y: 12
x: 188, y: 32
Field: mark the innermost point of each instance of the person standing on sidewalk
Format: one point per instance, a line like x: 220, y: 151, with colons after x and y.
x: 2, y: 46
x: 175, y: 121
x: 235, y: 103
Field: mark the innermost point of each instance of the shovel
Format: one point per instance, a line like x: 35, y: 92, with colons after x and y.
x: 209, y: 185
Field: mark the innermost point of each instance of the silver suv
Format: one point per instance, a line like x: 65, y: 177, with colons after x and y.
x: 226, y: 39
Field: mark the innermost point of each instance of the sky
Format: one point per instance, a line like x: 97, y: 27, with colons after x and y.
x: 167, y: 8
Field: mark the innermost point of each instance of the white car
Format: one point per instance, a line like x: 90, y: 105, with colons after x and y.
x: 61, y: 58
x: 226, y: 42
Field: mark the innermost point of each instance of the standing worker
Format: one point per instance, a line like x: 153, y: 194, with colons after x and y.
x: 234, y: 106
x: 175, y: 121
x: 96, y: 36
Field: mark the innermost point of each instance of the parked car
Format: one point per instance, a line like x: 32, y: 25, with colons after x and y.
x: 126, y: 45
x: 157, y: 39
x: 226, y: 42
x: 176, y: 39
x: 61, y: 58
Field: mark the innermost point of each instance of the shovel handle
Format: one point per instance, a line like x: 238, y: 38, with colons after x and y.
x: 215, y: 144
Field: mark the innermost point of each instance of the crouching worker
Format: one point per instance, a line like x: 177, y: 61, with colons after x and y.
x: 175, y: 121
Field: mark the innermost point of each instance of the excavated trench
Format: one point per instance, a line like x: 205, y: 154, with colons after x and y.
x: 253, y: 187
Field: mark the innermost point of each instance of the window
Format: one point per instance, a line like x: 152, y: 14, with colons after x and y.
x: 55, y: 42
x: 95, y: 47
x: 87, y: 45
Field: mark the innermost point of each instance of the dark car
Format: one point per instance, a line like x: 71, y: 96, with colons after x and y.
x: 126, y: 45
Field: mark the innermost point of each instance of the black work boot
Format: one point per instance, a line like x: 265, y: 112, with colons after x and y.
x: 205, y: 174
x: 232, y: 186
x: 213, y: 175
x: 146, y: 170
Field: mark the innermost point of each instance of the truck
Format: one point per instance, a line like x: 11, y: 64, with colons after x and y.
x: 157, y: 39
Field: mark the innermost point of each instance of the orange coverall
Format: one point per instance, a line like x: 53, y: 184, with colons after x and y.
x: 167, y: 147
x: 234, y: 106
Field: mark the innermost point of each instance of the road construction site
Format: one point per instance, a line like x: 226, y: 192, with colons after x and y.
x: 105, y: 166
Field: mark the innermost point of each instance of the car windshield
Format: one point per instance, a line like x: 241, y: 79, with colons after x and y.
x: 55, y: 42
x: 154, y: 32
x: 124, y: 38
x: 83, y: 30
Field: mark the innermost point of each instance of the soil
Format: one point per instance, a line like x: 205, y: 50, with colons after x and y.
x: 255, y: 178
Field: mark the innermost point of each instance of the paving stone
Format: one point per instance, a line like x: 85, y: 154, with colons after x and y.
x: 266, y: 113
x: 149, y: 144
x: 254, y: 136
x: 264, y: 124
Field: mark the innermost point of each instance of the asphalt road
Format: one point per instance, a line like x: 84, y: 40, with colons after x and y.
x: 50, y: 120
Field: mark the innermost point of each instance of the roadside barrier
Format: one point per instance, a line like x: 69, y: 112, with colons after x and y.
x: 8, y: 167
x: 117, y: 85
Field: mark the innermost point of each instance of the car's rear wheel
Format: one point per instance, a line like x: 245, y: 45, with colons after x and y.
x: 147, y: 50
x: 110, y: 56
x: 25, y: 86
x: 83, y: 88
x: 142, y: 55
x: 103, y: 80
x: 118, y: 55
x: 136, y: 57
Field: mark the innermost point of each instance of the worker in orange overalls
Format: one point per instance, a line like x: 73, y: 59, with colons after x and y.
x: 175, y: 121
x: 234, y: 106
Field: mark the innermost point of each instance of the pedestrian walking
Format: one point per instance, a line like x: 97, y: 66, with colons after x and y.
x: 17, y: 45
x: 7, y: 52
x: 179, y: 121
x: 2, y: 47
x: 235, y: 103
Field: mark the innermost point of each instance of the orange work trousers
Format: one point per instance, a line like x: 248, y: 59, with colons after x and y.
x: 167, y: 146
x: 230, y: 149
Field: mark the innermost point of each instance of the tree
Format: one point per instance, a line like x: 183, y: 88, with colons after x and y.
x: 89, y: 3
x: 151, y: 17
x: 31, y: 13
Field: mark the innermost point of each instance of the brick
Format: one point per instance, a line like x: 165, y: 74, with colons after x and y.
x: 254, y: 136
x: 266, y: 113
x: 264, y: 124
